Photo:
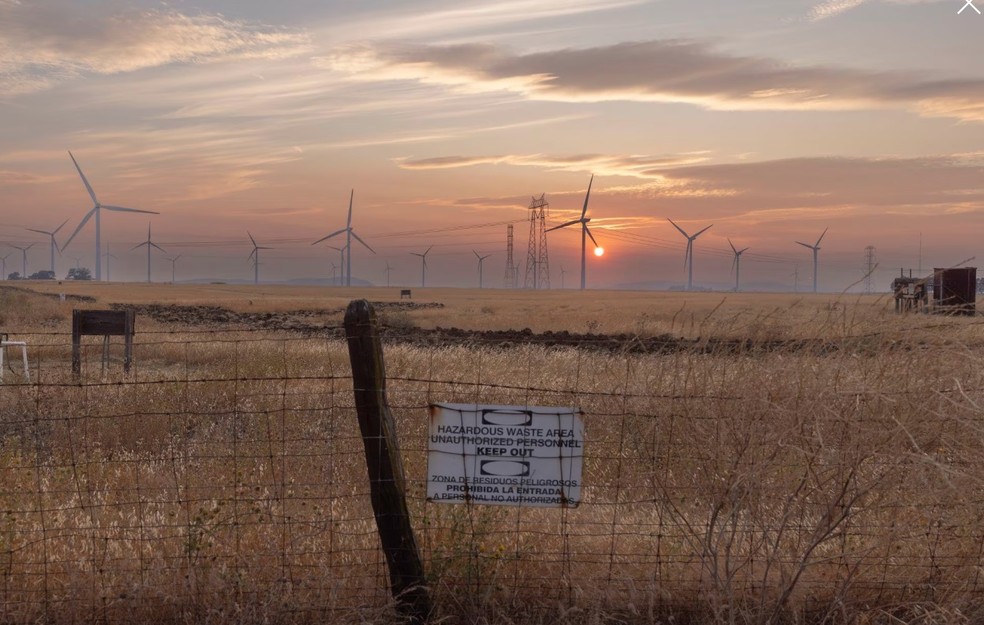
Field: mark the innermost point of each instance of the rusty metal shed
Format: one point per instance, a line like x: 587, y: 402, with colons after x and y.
x: 955, y: 291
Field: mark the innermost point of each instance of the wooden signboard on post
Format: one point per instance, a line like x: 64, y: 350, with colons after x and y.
x: 103, y: 323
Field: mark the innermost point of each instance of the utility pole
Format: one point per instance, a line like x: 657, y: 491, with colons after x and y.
x: 511, y: 279
x: 537, y: 261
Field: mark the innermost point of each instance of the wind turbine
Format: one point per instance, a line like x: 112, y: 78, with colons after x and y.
x: 149, y: 245
x: 174, y: 261
x: 108, y: 256
x: 341, y: 260
x: 423, y: 266
x: 24, y: 255
x: 334, y: 272
x: 736, y: 263
x: 54, y: 245
x: 3, y: 263
x: 388, y: 269
x: 584, y: 232
x: 562, y: 272
x: 255, y: 257
x: 480, y: 260
x: 349, y: 233
x: 816, y: 256
x: 688, y: 255
x: 95, y: 211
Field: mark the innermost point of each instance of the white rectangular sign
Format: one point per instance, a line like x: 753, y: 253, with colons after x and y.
x: 505, y: 455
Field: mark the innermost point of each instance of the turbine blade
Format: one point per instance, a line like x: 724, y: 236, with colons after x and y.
x: 348, y: 224
x: 251, y: 238
x: 138, y: 245
x: 123, y: 209
x: 39, y: 231
x: 569, y: 223
x: 333, y: 234
x: 804, y: 244
x: 354, y: 235
x: 88, y: 187
x: 251, y: 254
x: 158, y: 247
x: 732, y: 246
x: 700, y: 232
x: 55, y: 231
x: 590, y: 236
x: 476, y: 255
x: 428, y: 250
x: 740, y: 252
x: 586, y: 196
x: 82, y: 223
x: 682, y: 231
x: 822, y: 235
x: 686, y: 252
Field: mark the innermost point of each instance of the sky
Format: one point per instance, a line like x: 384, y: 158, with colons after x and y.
x: 772, y: 121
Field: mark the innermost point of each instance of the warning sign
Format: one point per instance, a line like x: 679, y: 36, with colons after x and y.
x: 505, y: 455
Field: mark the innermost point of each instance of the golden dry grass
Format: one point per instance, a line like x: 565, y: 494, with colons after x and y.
x: 839, y: 482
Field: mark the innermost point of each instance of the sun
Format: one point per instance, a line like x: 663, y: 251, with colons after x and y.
x: 599, y: 251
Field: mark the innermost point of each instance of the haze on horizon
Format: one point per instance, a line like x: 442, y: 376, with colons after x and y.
x: 771, y: 119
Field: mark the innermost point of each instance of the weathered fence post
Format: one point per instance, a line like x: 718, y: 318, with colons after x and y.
x: 386, y: 480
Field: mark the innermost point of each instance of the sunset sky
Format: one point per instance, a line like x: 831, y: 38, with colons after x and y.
x: 770, y: 119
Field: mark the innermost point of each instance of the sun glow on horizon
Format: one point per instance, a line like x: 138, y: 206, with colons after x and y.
x: 599, y: 251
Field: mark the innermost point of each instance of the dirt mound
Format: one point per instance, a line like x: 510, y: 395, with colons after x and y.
x: 328, y: 322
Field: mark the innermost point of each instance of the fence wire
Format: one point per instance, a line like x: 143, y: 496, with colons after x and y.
x: 224, y: 480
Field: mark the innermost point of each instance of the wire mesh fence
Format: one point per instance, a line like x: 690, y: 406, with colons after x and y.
x: 224, y: 480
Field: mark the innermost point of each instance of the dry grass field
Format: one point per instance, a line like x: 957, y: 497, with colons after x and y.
x: 785, y: 459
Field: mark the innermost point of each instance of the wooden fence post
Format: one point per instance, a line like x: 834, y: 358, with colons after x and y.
x: 386, y: 480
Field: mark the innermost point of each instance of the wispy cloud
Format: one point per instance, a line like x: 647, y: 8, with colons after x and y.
x: 661, y: 71
x: 634, y: 165
x: 475, y: 16
x: 832, y: 8
x: 42, y: 44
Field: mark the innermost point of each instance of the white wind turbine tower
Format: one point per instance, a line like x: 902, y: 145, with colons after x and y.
x: 54, y: 245
x: 584, y: 231
x: 24, y: 257
x: 816, y: 256
x: 3, y: 263
x: 423, y: 266
x: 688, y: 255
x: 174, y: 262
x: 349, y: 233
x: 736, y: 264
x: 149, y: 245
x: 97, y: 206
x: 255, y: 257
x: 388, y: 270
x: 481, y: 259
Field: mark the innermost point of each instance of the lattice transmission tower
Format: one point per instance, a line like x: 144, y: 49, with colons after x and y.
x: 511, y: 281
x: 869, y: 267
x: 537, y: 261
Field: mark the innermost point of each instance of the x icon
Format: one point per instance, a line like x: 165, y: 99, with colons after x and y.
x: 970, y: 3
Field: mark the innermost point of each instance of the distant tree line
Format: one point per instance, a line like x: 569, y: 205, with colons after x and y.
x: 75, y: 273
